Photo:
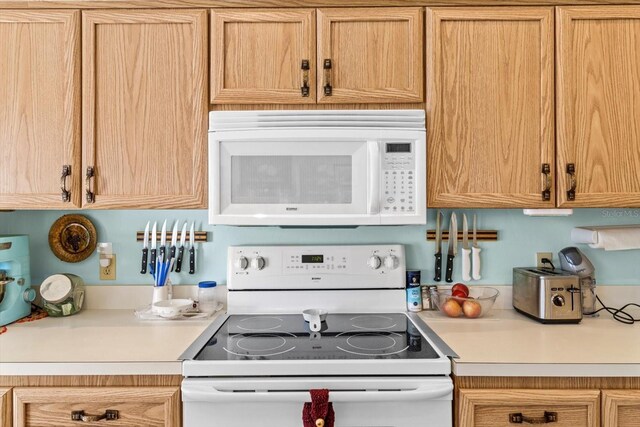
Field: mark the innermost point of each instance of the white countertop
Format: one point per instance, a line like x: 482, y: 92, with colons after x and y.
x: 97, y: 342
x: 115, y: 342
x: 509, y: 344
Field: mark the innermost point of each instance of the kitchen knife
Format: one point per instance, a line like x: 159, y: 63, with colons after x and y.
x: 438, y: 266
x: 154, y: 251
x: 453, y: 246
x: 183, y: 241
x: 174, y: 242
x: 163, y: 241
x: 466, y: 250
x: 475, y: 253
x: 145, y: 249
x: 192, y: 251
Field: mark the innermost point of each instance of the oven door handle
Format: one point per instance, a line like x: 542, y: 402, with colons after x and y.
x: 373, y: 156
x: 204, y: 393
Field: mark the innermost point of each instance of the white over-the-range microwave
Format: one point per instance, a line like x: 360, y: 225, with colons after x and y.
x: 317, y: 168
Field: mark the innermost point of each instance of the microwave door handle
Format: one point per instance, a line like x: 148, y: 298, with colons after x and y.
x: 373, y: 156
x: 204, y: 393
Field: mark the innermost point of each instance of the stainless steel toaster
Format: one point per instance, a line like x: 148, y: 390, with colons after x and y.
x: 549, y: 296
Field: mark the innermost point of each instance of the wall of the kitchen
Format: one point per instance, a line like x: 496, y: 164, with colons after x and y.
x: 519, y: 238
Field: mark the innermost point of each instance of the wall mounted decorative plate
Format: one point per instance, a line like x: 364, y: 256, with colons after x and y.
x: 73, y: 238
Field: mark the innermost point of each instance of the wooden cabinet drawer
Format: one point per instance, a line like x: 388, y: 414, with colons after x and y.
x: 493, y: 407
x: 136, y: 406
x: 621, y: 408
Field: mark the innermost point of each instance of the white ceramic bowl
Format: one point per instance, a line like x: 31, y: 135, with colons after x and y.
x: 171, y: 307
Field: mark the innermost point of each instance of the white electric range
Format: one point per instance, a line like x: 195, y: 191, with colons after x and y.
x: 255, y: 365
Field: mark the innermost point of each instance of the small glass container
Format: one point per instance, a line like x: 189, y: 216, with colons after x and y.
x: 207, y: 301
x: 427, y: 297
x: 62, y: 294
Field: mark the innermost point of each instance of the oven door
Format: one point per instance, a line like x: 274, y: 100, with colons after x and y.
x: 294, y: 177
x: 357, y: 402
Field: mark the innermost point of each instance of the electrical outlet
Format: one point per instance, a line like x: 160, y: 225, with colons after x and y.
x: 109, y: 272
x: 540, y: 255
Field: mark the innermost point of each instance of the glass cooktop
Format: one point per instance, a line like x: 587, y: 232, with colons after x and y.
x: 342, y: 336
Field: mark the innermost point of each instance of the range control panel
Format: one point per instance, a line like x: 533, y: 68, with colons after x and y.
x: 295, y: 267
x: 398, y: 177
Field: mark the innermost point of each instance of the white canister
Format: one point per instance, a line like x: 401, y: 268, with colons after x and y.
x: 207, y: 301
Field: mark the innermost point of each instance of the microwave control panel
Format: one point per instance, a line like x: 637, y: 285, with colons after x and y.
x: 398, y: 177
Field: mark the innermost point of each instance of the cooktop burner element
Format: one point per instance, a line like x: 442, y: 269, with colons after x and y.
x: 260, y: 345
x: 343, y: 336
x: 260, y: 323
x: 373, y: 321
x: 373, y: 343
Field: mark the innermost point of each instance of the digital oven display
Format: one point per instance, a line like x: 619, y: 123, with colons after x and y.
x: 312, y: 259
x: 398, y: 147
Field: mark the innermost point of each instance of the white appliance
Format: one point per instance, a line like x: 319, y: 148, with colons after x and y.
x: 338, y: 167
x: 255, y: 365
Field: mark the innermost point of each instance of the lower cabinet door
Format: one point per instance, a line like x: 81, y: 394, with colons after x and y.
x: 5, y: 407
x: 621, y: 408
x: 506, y: 407
x: 96, y: 406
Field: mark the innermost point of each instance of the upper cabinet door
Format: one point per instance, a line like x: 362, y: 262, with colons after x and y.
x: 489, y: 108
x: 599, y: 106
x: 145, y: 108
x: 370, y: 55
x: 263, y: 56
x: 39, y: 109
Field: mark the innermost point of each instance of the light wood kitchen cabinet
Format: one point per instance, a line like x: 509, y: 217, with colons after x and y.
x: 621, y: 408
x: 5, y: 407
x: 490, y: 107
x: 144, y: 108
x: 263, y: 56
x: 370, y: 55
x: 40, y: 109
x: 598, y: 107
x: 503, y: 407
x: 135, y: 406
x: 332, y: 56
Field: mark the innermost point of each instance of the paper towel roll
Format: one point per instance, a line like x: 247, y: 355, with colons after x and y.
x: 609, y: 238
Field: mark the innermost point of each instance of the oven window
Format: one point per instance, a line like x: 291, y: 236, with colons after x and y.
x: 291, y: 179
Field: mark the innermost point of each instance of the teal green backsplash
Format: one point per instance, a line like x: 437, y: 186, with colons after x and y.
x: 519, y: 238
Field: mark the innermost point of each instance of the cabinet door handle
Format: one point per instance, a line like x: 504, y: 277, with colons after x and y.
x: 305, y: 78
x: 66, y: 194
x: 548, y: 417
x: 109, y: 414
x: 546, y: 190
x: 571, y: 171
x: 91, y: 196
x: 328, y: 89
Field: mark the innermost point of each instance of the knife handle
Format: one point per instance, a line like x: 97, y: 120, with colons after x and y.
x: 449, y: 268
x: 438, y: 267
x: 179, y: 260
x: 172, y: 255
x: 475, y: 253
x: 163, y: 251
x: 466, y: 264
x: 152, y: 266
x: 145, y: 256
x: 192, y: 260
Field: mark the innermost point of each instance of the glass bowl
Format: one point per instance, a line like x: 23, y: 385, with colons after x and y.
x: 478, y: 304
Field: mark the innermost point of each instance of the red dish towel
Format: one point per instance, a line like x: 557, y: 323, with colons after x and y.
x: 318, y: 412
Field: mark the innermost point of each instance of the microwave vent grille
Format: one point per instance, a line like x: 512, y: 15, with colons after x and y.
x: 359, y: 119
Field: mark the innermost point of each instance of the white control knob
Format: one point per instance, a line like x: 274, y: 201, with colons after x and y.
x: 242, y: 263
x: 391, y: 261
x: 374, y: 262
x: 257, y: 263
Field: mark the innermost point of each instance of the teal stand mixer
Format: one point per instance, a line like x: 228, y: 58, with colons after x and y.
x: 16, y: 293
